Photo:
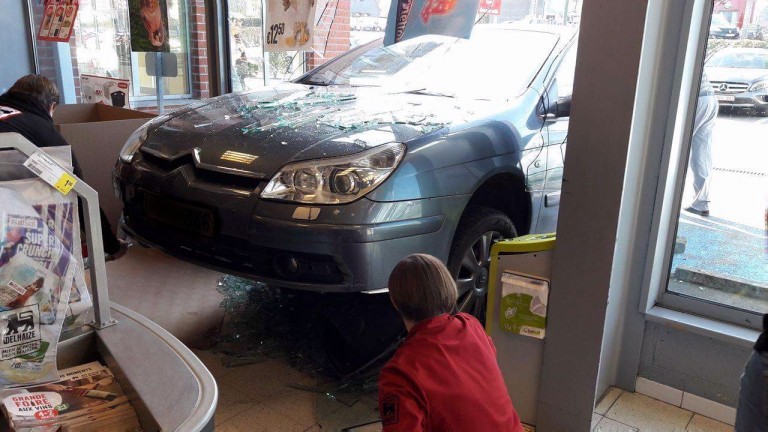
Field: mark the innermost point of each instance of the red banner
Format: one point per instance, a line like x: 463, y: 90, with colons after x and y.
x: 58, y: 20
x: 490, y: 7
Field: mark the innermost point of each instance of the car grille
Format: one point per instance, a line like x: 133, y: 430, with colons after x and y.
x: 209, y: 177
x: 165, y: 164
x: 728, y: 87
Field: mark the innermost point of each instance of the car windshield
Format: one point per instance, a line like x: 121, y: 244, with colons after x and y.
x: 720, y: 21
x: 740, y: 60
x: 494, y: 63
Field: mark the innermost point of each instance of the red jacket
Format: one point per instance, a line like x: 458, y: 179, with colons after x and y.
x: 445, y: 378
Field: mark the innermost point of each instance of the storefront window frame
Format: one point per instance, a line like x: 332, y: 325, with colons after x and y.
x: 146, y: 100
x: 143, y: 101
x: 671, y: 181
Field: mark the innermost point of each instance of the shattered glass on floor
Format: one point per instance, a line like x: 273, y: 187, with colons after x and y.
x: 302, y: 330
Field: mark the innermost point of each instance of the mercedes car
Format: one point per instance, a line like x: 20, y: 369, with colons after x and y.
x: 739, y: 77
x: 435, y: 145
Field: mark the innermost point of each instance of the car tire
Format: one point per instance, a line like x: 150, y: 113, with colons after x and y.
x: 470, y: 256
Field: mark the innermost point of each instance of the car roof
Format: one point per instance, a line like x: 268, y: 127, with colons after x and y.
x: 564, y: 31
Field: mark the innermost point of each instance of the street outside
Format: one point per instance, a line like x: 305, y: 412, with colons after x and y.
x: 732, y: 242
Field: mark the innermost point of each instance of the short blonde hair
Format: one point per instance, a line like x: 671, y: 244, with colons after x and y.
x: 421, y: 287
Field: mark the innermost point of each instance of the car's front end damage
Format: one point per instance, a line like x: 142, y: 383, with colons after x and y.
x: 291, y: 210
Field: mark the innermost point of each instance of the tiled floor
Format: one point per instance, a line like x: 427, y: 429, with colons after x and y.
x: 259, y: 397
x: 620, y: 411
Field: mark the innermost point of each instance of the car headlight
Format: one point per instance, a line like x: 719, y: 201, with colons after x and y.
x: 760, y: 85
x: 133, y: 142
x: 335, y: 180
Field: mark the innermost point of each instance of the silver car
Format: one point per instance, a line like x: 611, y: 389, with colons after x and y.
x: 436, y: 145
x: 739, y: 77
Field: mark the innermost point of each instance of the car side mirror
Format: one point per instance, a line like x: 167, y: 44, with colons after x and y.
x: 561, y: 107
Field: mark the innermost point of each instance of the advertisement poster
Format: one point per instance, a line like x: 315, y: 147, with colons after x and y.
x: 411, y: 18
x: 290, y: 25
x: 490, y: 7
x: 106, y: 90
x: 58, y: 20
x: 149, y: 25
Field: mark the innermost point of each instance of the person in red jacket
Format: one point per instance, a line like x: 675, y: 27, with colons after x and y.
x: 444, y: 377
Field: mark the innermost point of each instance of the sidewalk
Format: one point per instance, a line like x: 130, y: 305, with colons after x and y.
x: 729, y: 249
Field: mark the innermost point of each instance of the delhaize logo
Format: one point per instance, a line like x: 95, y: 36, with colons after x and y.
x: 437, y: 7
x: 401, y: 19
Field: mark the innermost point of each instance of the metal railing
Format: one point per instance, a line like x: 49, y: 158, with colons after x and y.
x: 93, y: 237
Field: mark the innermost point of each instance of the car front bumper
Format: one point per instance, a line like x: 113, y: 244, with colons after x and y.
x: 756, y: 100
x: 724, y: 35
x: 347, y: 248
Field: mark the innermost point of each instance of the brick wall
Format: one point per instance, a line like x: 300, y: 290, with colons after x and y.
x: 201, y: 85
x: 331, y: 33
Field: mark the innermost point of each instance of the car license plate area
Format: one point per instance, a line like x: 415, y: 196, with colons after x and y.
x: 180, y: 215
x: 721, y: 98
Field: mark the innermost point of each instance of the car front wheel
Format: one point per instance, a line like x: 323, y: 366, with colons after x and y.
x: 470, y: 256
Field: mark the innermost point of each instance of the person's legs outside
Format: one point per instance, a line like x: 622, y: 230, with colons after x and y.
x: 701, y: 153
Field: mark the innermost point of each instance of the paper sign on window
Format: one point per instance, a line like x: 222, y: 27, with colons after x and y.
x: 58, y: 20
x: 290, y: 25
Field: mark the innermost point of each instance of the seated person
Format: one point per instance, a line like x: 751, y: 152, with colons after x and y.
x: 27, y: 108
x: 444, y: 377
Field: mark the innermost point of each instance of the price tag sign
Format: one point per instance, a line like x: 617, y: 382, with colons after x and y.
x: 47, y: 169
x: 290, y: 25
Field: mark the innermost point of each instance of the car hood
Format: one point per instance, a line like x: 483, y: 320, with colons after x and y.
x: 255, y: 134
x: 742, y: 75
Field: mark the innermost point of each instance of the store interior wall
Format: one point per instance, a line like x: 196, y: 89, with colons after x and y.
x: 593, y: 179
x: 18, y: 57
x: 625, y: 323
x: 700, y: 365
x: 633, y: 347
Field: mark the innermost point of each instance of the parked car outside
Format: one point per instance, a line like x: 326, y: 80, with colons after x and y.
x: 739, y: 77
x: 435, y: 144
x: 720, y: 28
x: 753, y: 31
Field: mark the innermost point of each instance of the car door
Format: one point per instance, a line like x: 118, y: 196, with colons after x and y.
x: 557, y: 100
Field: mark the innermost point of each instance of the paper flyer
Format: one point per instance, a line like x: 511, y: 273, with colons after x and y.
x: 290, y: 25
x: 523, y: 308
x: 58, y: 20
x: 106, y: 90
x: 149, y: 25
x: 411, y: 18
